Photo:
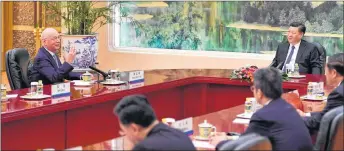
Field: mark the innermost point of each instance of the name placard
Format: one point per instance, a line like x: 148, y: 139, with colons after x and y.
x: 185, y: 125
x: 136, y: 76
x: 133, y: 77
x: 61, y: 89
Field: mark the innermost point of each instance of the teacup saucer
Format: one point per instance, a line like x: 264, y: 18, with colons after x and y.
x: 114, y: 82
x: 8, y: 96
x: 82, y: 83
x: 201, y: 138
x: 35, y: 97
x: 296, y: 76
x: 316, y: 98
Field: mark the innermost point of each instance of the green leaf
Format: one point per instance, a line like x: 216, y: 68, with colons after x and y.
x: 83, y: 18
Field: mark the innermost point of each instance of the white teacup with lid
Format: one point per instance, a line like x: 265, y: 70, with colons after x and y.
x: 86, y: 77
x: 114, y: 75
x: 205, y: 129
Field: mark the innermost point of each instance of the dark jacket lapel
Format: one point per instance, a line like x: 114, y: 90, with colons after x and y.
x: 301, y: 50
x: 52, y: 60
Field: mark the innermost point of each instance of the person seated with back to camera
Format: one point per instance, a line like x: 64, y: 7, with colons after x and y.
x: 334, y: 73
x: 139, y: 124
x: 277, y: 119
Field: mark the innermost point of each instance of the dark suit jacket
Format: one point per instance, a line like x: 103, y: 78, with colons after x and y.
x: 163, y: 137
x: 44, y: 68
x: 280, y: 122
x: 334, y: 99
x: 308, y: 57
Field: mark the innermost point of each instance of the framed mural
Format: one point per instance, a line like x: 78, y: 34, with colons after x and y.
x: 233, y: 26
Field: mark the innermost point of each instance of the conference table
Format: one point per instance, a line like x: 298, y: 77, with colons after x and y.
x: 222, y: 120
x: 86, y: 116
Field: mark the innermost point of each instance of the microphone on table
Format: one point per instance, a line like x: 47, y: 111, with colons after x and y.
x: 273, y: 63
x: 279, y: 65
x: 99, y: 71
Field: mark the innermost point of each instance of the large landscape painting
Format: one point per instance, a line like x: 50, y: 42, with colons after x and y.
x: 249, y: 27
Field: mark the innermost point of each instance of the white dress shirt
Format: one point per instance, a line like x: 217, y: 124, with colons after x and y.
x: 293, y: 58
x: 52, y: 54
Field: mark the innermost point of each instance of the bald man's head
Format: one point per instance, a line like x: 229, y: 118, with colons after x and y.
x: 50, y: 39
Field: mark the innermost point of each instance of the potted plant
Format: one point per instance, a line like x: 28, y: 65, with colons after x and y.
x: 82, y: 19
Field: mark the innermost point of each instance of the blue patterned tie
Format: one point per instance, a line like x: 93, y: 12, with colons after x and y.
x: 289, y: 58
x: 55, y: 58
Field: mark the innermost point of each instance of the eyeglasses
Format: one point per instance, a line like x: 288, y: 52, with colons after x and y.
x: 53, y: 38
x: 56, y: 37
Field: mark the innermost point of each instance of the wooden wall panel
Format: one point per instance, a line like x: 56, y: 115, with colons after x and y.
x: 23, y: 13
x: 24, y: 39
x: 23, y: 25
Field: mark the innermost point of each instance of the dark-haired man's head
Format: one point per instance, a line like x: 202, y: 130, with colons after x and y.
x: 334, y: 69
x: 267, y: 85
x: 136, y: 117
x: 296, y: 32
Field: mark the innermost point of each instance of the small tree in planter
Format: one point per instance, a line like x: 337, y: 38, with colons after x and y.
x: 82, y: 19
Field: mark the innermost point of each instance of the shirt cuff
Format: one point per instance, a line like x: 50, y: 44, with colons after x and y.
x: 308, y: 114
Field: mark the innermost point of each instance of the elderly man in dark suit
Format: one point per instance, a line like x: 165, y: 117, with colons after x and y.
x: 299, y: 51
x: 47, y: 66
x: 277, y: 119
x: 334, y: 72
x: 139, y: 124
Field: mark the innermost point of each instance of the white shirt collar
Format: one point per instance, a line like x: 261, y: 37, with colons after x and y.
x: 52, y: 54
x: 296, y: 45
x: 266, y: 103
x: 339, y: 84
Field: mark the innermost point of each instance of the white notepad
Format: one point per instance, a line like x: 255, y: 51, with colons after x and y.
x: 241, y: 121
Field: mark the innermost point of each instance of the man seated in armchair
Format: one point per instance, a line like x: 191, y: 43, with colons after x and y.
x: 47, y: 66
x: 334, y: 73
